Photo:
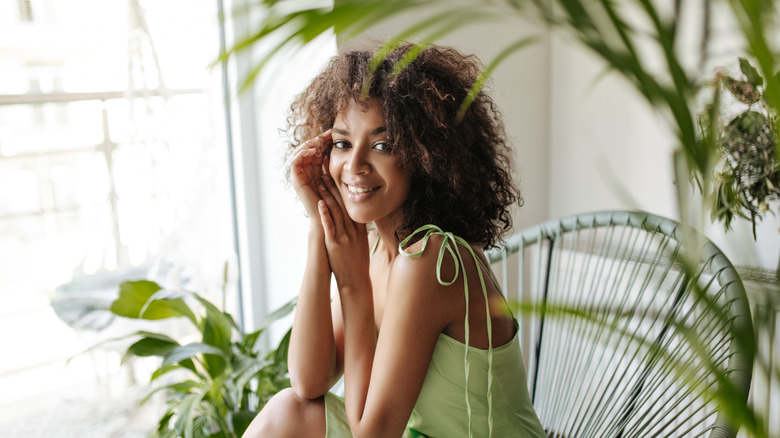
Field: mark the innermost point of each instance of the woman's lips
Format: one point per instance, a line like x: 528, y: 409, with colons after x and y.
x: 358, y: 193
x: 358, y: 190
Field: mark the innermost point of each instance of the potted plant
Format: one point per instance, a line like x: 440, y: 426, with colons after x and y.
x: 747, y: 177
x: 213, y: 386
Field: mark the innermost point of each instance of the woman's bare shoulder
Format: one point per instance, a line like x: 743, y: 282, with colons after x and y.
x: 419, y: 264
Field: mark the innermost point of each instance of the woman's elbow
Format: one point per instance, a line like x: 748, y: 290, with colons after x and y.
x: 378, y: 428
x: 308, y: 390
x: 376, y: 432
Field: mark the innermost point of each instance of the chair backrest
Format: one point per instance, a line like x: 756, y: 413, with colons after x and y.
x: 621, y: 338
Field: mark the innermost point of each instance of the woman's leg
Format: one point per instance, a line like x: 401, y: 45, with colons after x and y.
x: 289, y: 415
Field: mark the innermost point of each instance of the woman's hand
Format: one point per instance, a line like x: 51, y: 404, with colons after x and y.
x: 346, y: 240
x: 306, y: 167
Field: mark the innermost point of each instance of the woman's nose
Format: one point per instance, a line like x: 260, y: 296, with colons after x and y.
x: 357, y: 163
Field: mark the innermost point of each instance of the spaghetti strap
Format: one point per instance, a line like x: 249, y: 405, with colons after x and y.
x: 376, y: 245
x: 500, y: 410
x: 449, y: 245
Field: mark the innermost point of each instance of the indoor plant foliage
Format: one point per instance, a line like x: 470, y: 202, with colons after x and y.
x: 215, y: 386
x: 748, y: 176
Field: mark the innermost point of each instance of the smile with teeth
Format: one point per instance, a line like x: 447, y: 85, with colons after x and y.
x: 359, y: 190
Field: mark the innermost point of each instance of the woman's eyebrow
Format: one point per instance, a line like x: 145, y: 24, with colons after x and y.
x: 376, y: 131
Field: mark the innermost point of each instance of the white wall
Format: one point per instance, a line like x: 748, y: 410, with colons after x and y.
x: 520, y: 86
x: 609, y: 150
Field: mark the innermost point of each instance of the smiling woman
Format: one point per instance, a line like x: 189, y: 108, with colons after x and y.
x: 370, y: 181
x: 420, y: 338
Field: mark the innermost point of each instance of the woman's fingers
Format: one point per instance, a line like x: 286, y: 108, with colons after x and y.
x: 326, y: 220
x: 330, y: 185
x: 307, y: 159
x: 319, y: 144
x: 336, y: 211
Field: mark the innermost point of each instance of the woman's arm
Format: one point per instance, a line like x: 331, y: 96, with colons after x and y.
x: 313, y: 359
x: 383, y: 374
x: 314, y: 355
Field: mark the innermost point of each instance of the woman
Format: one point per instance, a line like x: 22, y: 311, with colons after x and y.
x: 397, y: 154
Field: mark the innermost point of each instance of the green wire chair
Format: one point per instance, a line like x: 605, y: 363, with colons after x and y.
x: 623, y: 339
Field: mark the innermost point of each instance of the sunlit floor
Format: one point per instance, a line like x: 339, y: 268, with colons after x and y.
x: 84, y: 406
x: 78, y: 415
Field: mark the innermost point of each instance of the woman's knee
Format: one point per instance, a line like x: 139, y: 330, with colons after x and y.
x: 289, y: 415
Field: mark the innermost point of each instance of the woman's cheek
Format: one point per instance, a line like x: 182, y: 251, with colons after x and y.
x: 333, y: 170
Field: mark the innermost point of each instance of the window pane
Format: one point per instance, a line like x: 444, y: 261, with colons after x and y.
x: 112, y: 167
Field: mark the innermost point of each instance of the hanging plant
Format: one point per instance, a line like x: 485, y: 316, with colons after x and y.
x: 748, y: 175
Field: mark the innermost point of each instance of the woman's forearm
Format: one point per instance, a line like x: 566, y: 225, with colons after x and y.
x: 359, y: 347
x: 312, y: 357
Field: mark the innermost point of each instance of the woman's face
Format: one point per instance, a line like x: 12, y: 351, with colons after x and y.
x: 372, y: 186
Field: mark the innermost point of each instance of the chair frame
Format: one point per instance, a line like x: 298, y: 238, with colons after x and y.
x: 737, y: 311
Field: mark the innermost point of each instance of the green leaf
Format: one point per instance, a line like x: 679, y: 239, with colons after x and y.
x: 241, y: 420
x: 245, y: 371
x: 143, y: 300
x: 217, y: 326
x: 179, y: 354
x: 482, y: 79
x: 152, y: 347
x: 166, y: 369
x: 186, y: 386
x: 121, y: 338
x: 250, y: 340
x: 172, y: 399
x: 281, y: 312
x: 750, y: 72
x: 164, y: 424
x: 280, y: 354
x: 217, y: 332
x: 188, y: 407
x: 773, y: 89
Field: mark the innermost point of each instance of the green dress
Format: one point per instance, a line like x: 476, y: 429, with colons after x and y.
x: 497, y: 403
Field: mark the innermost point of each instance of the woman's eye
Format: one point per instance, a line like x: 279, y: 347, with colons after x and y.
x: 382, y: 147
x: 340, y: 145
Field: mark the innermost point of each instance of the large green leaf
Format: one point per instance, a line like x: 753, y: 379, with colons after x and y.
x: 152, y: 346
x: 180, y: 354
x: 186, y: 415
x: 143, y: 300
x: 217, y: 332
x: 217, y: 326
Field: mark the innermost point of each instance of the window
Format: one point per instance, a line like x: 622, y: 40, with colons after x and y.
x: 112, y: 157
x: 25, y: 11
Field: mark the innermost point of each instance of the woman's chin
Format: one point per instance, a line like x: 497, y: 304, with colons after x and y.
x: 361, y: 217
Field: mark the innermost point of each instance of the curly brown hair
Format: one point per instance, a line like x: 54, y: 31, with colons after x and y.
x: 459, y: 166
